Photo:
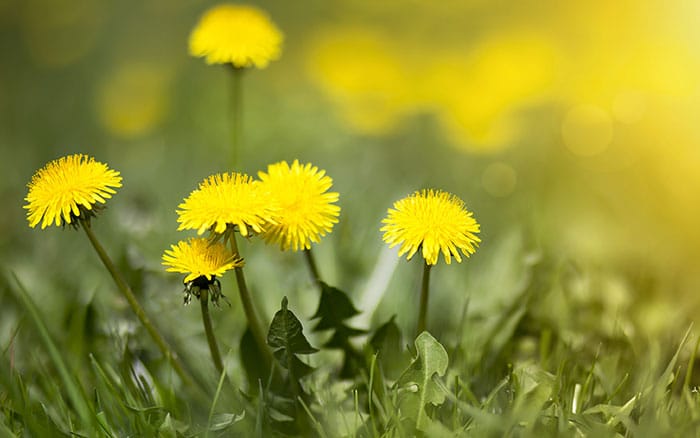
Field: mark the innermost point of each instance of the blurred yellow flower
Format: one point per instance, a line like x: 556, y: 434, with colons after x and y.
x: 198, y: 257
x: 132, y: 98
x: 479, y: 92
x: 433, y: 221
x: 67, y: 189
x: 306, y: 210
x: 372, y: 88
x: 224, y: 200
x: 241, y: 35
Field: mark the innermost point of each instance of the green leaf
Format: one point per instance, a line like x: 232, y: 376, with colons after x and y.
x: 340, y: 337
x: 333, y: 308
x: 387, y: 343
x: 416, y: 385
x: 287, y: 340
x: 225, y: 420
x: 285, y: 335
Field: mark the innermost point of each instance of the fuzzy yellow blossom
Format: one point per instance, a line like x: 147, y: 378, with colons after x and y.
x: 432, y: 221
x: 223, y: 201
x: 241, y: 35
x: 306, y: 210
x: 198, y: 257
x: 69, y: 188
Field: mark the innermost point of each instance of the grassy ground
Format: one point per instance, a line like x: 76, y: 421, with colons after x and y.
x: 542, y: 351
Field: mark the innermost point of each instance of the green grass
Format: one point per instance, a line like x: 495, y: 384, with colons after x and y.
x: 543, y: 353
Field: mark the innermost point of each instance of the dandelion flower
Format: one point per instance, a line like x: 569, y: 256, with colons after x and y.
x: 224, y: 200
x: 241, y: 35
x: 433, y: 221
x: 202, y: 261
x: 67, y: 189
x: 198, y: 257
x: 306, y: 210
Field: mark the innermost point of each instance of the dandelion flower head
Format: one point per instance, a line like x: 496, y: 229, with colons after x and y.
x: 224, y: 200
x: 67, y: 189
x: 433, y: 221
x: 306, y: 209
x: 198, y: 257
x: 239, y: 34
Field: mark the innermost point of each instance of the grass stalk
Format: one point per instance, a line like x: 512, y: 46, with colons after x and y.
x: 135, y: 306
x: 73, y: 389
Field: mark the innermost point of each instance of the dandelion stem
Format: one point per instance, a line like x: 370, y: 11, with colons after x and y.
x: 311, y: 262
x: 236, y: 114
x: 135, y: 306
x: 424, y: 290
x: 256, y: 327
x: 209, y: 330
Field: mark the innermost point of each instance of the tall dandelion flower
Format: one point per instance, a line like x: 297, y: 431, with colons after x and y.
x: 241, y: 35
x: 226, y: 201
x: 202, y: 261
x: 434, y: 222
x: 306, y: 208
x: 68, y: 189
x: 244, y: 37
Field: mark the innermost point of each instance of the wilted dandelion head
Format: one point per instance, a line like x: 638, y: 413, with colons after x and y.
x: 241, y: 35
x: 202, y: 261
x: 306, y: 210
x: 223, y: 201
x: 433, y: 221
x: 67, y: 189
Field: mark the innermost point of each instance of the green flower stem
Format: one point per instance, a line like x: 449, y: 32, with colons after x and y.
x: 311, y: 262
x: 253, y: 322
x: 135, y: 306
x: 424, y: 290
x: 209, y: 331
x: 236, y: 114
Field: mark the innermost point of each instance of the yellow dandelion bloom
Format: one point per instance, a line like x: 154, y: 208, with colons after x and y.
x: 224, y: 200
x: 433, y: 221
x: 198, y: 257
x: 306, y: 210
x: 67, y: 189
x: 241, y: 35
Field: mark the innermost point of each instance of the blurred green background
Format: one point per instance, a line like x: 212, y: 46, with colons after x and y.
x: 569, y: 128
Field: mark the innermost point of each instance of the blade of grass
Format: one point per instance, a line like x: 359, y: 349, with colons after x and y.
x: 317, y: 425
x: 74, y: 392
x: 219, y: 386
x: 691, y: 364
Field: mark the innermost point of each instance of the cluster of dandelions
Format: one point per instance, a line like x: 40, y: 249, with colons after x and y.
x: 288, y: 205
